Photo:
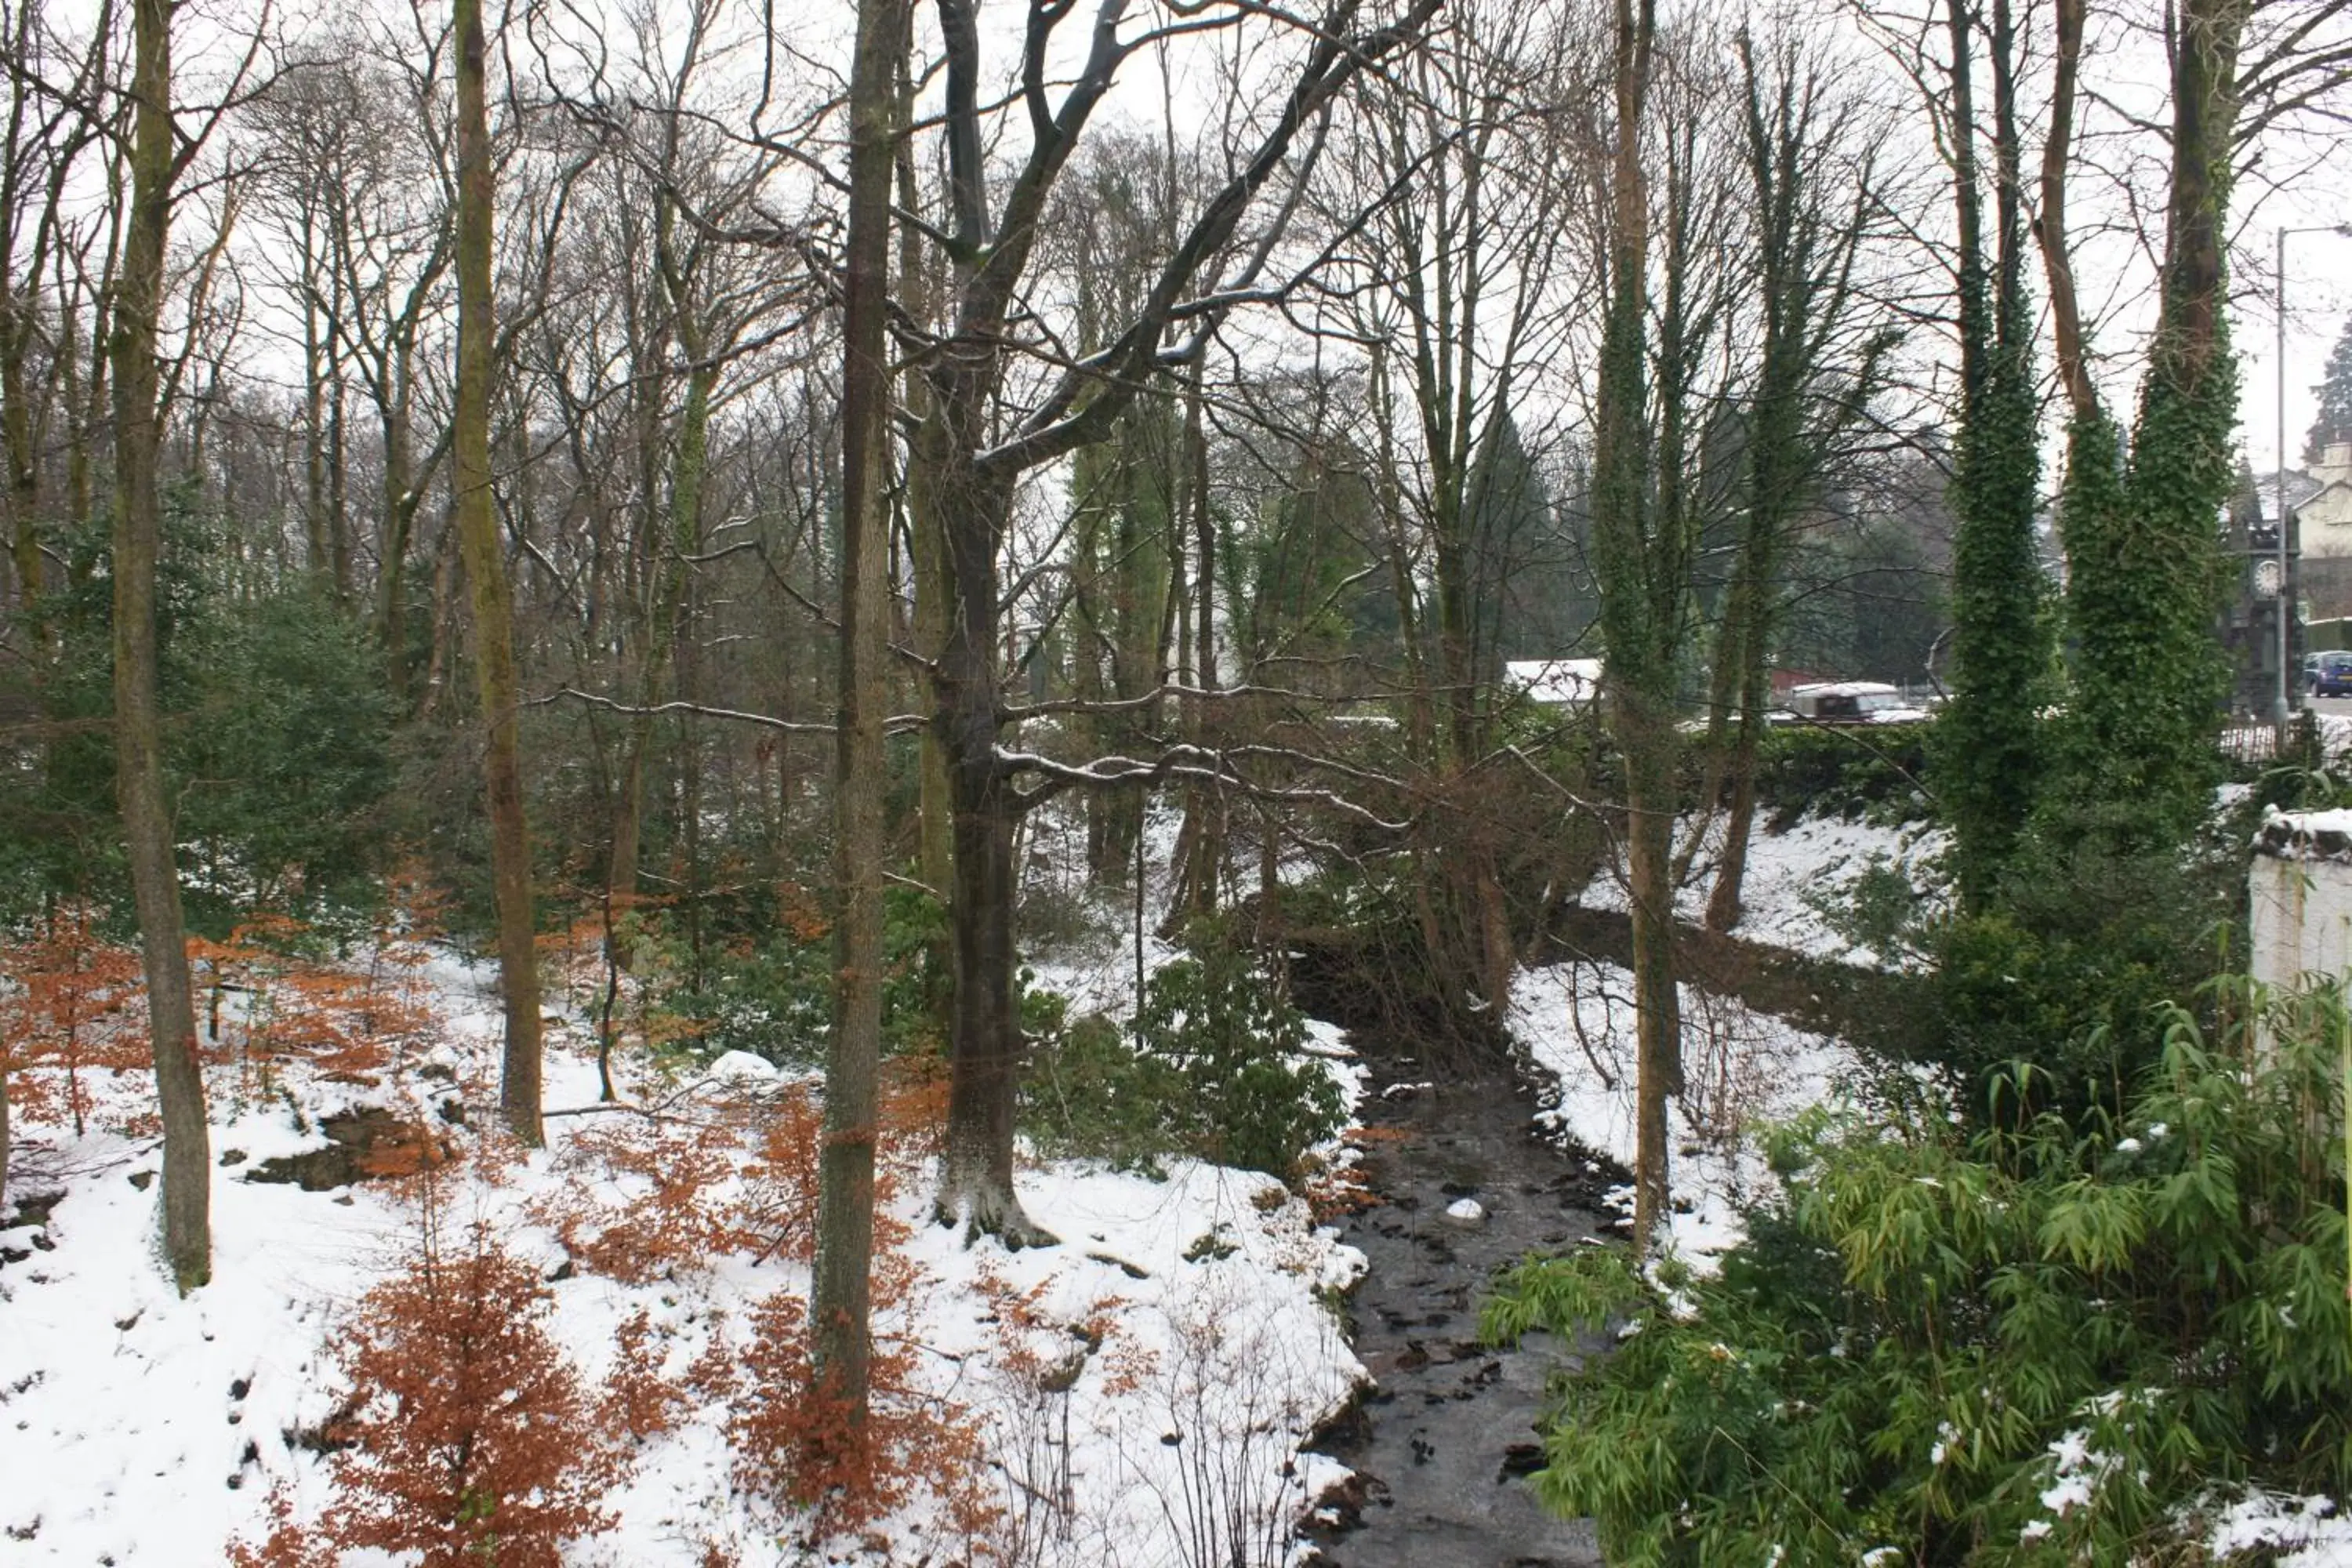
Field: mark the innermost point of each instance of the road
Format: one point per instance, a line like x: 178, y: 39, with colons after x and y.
x: 2333, y: 707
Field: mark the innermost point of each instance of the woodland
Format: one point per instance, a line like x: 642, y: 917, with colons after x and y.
x: 832, y: 702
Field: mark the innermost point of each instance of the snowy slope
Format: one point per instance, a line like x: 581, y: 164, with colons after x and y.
x: 137, y: 1427
x: 1792, y: 876
x: 1574, y: 1024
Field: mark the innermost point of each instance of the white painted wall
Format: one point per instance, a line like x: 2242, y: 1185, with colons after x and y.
x: 2301, y: 900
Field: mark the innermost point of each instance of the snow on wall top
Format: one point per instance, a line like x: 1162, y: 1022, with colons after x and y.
x: 2306, y: 835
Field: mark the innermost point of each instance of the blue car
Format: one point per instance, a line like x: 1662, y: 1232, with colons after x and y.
x: 2330, y: 674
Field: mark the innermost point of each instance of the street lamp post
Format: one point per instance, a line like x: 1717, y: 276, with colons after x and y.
x: 2282, y: 706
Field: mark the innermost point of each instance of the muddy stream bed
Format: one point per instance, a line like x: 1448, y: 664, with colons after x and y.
x: 1441, y: 1441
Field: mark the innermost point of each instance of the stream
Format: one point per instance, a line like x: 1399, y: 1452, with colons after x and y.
x: 1441, y: 1440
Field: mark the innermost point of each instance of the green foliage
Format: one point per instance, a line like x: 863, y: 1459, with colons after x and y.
x: 770, y: 994
x: 1252, y: 1098
x: 2333, y: 421
x: 1880, y: 908
x: 287, y: 751
x: 1874, y: 769
x: 276, y: 737
x: 2075, y: 962
x: 2143, y: 591
x: 1932, y: 1332
x: 1216, y: 1070
x: 1989, y: 751
x: 1087, y: 1093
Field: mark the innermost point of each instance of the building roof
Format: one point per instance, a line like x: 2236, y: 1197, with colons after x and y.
x: 2301, y: 489
x: 1846, y: 688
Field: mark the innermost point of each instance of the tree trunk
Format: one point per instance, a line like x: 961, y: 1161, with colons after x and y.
x: 1201, y: 841
x: 841, y: 1297
x: 486, y: 577
x: 137, y: 727
x: 1722, y: 907
x: 391, y: 583
x: 983, y: 1026
x: 1640, y: 589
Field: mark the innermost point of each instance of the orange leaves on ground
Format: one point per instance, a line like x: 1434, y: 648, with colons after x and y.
x: 638, y: 1397
x: 468, y: 1437
x: 1040, y: 1351
x: 668, y: 1194
x: 796, y: 1445
x: 657, y: 1197
x: 347, y: 1023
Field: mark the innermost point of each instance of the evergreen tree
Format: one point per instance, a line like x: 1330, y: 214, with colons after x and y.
x: 1522, y: 586
x: 2334, y: 389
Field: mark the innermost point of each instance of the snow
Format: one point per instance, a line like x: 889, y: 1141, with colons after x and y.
x: 1555, y: 682
x: 2304, y: 825
x: 1793, y: 879
x: 1575, y: 1025
x: 2311, y: 1531
x: 137, y: 1427
x: 1465, y: 1211
x: 735, y: 1066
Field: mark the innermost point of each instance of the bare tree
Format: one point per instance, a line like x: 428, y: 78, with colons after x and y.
x: 1809, y: 168
x: 968, y: 471
x: 1470, y: 261
x: 138, y: 720
x: 486, y: 576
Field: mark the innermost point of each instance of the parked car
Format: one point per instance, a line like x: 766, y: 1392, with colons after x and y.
x: 2329, y: 674
x: 1852, y: 702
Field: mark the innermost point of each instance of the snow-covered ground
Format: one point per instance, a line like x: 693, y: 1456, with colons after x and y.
x: 1157, y: 1371
x: 1574, y: 1022
x: 1794, y: 880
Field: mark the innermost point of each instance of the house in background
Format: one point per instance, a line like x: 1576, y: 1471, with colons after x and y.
x: 2323, y: 501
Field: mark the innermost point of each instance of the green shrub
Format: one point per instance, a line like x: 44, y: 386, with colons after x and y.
x: 1880, y: 908
x: 1932, y: 1331
x: 2078, y: 955
x: 276, y: 735
x: 1087, y: 1093
x: 1843, y: 770
x: 1224, y: 1024
x: 1215, y: 1070
x: 773, y: 995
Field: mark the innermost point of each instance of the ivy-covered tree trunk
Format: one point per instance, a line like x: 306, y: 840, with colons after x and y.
x: 2145, y: 583
x: 1641, y: 593
x: 1988, y: 757
x: 138, y: 724
x: 493, y: 603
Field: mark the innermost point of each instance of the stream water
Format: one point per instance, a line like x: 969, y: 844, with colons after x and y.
x: 1442, y: 1440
